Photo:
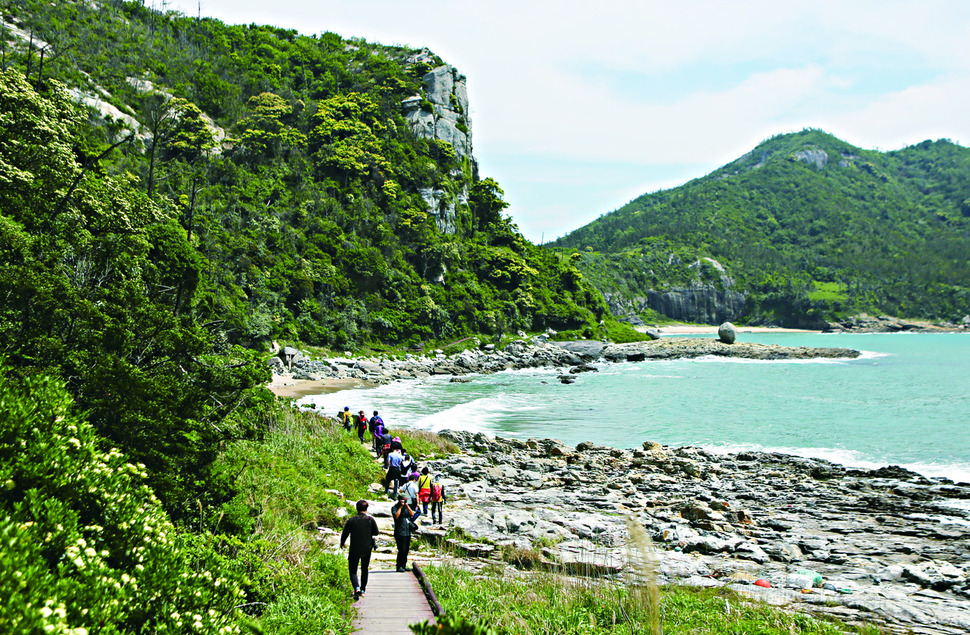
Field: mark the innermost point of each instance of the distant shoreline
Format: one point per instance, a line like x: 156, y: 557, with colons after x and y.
x: 286, y: 385
x: 698, y: 329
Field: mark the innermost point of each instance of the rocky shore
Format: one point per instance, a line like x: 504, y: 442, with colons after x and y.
x: 886, y: 546
x: 890, y: 324
x: 538, y: 352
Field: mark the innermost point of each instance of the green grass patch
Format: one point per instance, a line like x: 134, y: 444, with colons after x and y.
x: 424, y: 444
x: 540, y: 602
x: 828, y: 292
x: 284, y: 477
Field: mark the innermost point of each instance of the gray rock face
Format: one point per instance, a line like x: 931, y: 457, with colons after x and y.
x: 814, y: 156
x: 448, y: 120
x: 702, y: 304
x: 442, y: 113
x: 727, y: 333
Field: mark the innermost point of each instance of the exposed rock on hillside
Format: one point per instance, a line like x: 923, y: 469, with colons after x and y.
x: 441, y: 113
x: 702, y: 304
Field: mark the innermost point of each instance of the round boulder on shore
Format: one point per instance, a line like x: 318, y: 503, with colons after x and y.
x: 727, y: 333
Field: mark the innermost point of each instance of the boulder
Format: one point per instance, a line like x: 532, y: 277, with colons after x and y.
x: 727, y: 333
x: 290, y: 356
x: 583, y: 557
x: 587, y: 350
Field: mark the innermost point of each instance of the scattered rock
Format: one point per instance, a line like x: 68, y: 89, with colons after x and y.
x: 723, y: 520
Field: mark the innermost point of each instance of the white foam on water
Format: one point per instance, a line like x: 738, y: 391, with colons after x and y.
x: 956, y: 471
x: 477, y: 415
x: 873, y: 355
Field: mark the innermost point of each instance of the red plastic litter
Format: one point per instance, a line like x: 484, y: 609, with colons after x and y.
x: 763, y: 583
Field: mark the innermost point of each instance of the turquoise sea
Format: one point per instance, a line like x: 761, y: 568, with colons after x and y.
x: 905, y: 402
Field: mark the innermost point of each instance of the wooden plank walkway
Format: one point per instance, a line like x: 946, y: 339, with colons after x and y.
x: 392, y: 602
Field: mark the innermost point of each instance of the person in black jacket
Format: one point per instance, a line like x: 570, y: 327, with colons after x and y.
x: 361, y: 529
x: 402, y: 514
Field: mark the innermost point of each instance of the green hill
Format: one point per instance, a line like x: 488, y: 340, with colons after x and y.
x: 804, y: 228
x: 177, y: 192
x: 326, y: 185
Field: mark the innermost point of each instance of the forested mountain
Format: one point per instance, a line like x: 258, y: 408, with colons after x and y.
x: 802, y: 229
x: 175, y: 193
x: 327, y: 186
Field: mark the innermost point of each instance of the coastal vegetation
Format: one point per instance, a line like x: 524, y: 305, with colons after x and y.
x: 175, y: 195
x: 808, y: 227
x: 544, y: 602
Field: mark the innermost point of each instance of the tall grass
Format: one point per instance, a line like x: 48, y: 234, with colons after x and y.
x: 288, y: 477
x: 533, y: 603
x: 289, y: 482
x: 424, y: 444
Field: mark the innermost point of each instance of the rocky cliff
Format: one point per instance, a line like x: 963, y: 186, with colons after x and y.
x: 441, y: 113
x: 703, y: 304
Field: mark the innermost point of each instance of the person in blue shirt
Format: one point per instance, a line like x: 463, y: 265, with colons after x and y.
x: 393, y: 472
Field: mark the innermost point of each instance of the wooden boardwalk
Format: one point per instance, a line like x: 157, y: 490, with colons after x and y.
x: 392, y: 602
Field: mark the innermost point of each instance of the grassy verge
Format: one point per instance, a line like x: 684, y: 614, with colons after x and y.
x: 424, y: 445
x: 289, y: 482
x: 548, y: 603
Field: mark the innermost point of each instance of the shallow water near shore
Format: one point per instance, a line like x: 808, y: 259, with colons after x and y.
x: 905, y: 402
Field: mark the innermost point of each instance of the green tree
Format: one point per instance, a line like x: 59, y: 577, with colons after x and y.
x: 99, y: 290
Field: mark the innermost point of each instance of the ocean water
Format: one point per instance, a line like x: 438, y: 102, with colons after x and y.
x: 905, y: 402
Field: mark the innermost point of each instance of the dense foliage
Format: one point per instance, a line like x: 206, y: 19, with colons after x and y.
x: 175, y: 193
x: 808, y: 226
x: 85, y: 546
x: 307, y: 220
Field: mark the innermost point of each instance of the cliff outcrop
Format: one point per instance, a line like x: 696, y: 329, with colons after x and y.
x: 441, y: 113
x: 701, y: 304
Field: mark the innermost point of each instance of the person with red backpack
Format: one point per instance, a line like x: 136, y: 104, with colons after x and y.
x: 424, y: 490
x: 437, y: 500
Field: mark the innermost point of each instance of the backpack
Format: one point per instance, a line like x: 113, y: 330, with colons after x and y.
x: 436, y: 491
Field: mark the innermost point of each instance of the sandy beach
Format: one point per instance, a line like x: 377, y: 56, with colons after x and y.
x: 286, y: 386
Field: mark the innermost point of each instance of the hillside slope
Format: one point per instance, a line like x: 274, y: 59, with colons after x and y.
x: 327, y: 185
x: 802, y: 229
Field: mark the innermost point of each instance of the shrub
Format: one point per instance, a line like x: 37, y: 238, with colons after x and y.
x: 85, y: 546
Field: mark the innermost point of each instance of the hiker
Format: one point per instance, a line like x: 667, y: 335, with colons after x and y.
x: 378, y: 433
x: 406, y: 464
x: 361, y: 425
x: 385, y: 446
x: 393, y: 472
x: 424, y: 489
x: 361, y: 529
x: 372, y: 426
x: 401, y: 513
x: 410, y: 490
x: 346, y: 418
x: 437, y: 500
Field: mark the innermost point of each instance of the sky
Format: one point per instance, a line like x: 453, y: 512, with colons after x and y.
x: 579, y: 107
